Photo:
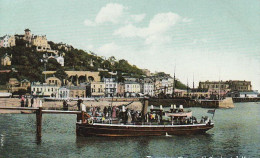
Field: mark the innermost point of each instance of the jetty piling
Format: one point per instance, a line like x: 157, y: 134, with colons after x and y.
x: 39, y: 111
x: 39, y: 122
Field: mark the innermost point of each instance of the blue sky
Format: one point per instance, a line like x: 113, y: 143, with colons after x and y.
x: 212, y: 39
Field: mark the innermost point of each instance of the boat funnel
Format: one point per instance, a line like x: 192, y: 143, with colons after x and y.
x: 151, y: 106
x: 161, y: 107
x: 171, y: 106
x: 174, y: 106
x: 123, y: 108
x: 181, y: 107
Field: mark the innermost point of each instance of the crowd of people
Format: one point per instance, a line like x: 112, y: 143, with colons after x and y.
x: 30, y: 101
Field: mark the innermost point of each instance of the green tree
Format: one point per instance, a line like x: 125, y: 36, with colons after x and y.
x: 61, y: 74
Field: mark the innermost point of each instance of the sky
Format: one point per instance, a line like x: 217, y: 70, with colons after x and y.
x: 208, y: 39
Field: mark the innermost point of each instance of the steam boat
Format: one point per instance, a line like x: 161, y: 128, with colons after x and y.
x: 154, y: 123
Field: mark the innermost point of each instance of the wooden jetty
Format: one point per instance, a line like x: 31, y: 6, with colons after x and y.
x: 39, y: 111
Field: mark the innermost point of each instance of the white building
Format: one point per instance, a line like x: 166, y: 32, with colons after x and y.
x: 44, y: 89
x: 132, y: 88
x: 252, y: 94
x: 148, y: 89
x: 167, y: 85
x: 63, y: 93
x: 60, y: 59
x: 7, y: 41
x: 110, y: 87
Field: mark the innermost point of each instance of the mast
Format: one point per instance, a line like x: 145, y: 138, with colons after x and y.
x: 174, y: 83
x: 193, y: 86
x: 187, y: 87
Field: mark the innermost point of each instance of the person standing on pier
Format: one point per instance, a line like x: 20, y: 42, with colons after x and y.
x: 26, y: 101
x: 22, y: 101
x: 32, y: 101
x: 79, y: 101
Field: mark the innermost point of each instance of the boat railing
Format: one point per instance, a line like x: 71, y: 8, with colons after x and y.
x: 163, y: 122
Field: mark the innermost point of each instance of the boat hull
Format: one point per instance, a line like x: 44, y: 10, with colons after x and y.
x: 112, y: 130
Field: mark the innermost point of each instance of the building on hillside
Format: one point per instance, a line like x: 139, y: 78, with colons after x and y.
x: 224, y: 87
x: 77, y: 91
x: 6, y: 60
x: 110, y: 87
x: 47, y: 90
x: 198, y: 93
x: 146, y: 72
x: 25, y: 84
x: 53, y: 81
x: 120, y: 89
x: 147, y: 87
x: 132, y: 89
x: 130, y: 79
x: 40, y: 42
x: 214, y: 85
x: 163, y: 85
x: 64, y: 47
x: 97, y: 89
x: 58, y: 58
x: 167, y: 84
x: 216, y: 89
x: 7, y: 41
x: 14, y: 85
x: 77, y: 77
x: 26, y: 37
x: 241, y: 86
x: 13, y: 82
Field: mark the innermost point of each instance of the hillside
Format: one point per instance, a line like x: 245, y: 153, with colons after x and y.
x: 27, y: 62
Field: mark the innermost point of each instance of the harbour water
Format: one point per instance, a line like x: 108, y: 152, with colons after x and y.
x: 236, y: 133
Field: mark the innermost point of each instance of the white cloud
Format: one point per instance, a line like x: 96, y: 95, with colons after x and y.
x: 89, y: 23
x: 156, y: 30
x: 111, y: 13
x: 138, y: 17
x: 187, y: 20
x: 109, y: 48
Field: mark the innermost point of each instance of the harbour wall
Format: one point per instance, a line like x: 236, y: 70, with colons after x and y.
x: 226, y: 103
x: 238, y: 100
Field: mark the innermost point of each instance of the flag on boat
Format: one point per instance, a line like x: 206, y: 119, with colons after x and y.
x: 211, y: 111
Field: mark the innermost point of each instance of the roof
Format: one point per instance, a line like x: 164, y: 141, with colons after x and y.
x: 253, y: 92
x: 76, y: 87
x: 27, y: 29
x: 25, y: 80
x: 131, y: 82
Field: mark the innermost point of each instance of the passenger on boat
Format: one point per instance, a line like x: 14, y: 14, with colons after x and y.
x: 114, y: 112
x: 105, y: 111
x: 93, y: 111
x: 129, y: 117
x: 109, y: 111
x: 79, y: 101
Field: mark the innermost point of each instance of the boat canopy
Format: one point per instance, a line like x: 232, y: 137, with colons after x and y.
x: 182, y: 114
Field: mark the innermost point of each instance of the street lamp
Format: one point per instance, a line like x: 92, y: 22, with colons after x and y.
x: 45, y: 61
